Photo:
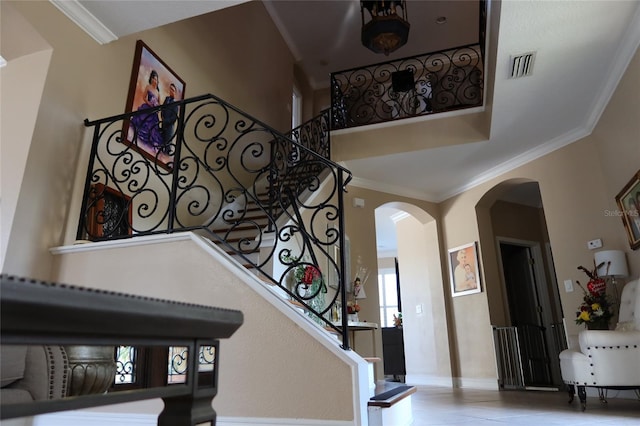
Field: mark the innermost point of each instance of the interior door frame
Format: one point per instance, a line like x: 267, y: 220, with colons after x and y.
x: 542, y: 288
x: 539, y: 276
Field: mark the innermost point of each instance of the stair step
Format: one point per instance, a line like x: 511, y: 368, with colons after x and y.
x: 238, y: 228
x: 390, y: 395
x: 297, y: 304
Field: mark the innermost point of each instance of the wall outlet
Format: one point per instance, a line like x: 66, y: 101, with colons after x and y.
x: 419, y: 309
x: 594, y: 244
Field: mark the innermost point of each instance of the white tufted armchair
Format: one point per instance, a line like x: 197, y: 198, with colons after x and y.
x: 607, y: 359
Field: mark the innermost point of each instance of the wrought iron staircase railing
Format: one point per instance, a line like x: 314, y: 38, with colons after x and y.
x: 273, y: 202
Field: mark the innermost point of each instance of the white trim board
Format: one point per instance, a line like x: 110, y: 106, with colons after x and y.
x: 429, y: 380
x: 84, y: 418
x: 472, y: 383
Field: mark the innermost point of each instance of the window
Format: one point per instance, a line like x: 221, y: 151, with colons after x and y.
x: 388, y: 291
x: 296, y: 108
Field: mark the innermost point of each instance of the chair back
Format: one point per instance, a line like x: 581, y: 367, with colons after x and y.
x: 630, y: 304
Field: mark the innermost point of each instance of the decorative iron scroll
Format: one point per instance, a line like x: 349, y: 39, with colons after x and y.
x: 409, y: 87
x: 270, y: 200
x: 126, y: 358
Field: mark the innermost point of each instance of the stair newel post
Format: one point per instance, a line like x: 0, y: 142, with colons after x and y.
x: 343, y: 273
x: 87, y: 182
x: 175, y: 171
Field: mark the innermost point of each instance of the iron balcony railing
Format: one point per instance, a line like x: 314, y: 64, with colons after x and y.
x: 272, y: 202
x: 410, y: 87
x: 315, y: 134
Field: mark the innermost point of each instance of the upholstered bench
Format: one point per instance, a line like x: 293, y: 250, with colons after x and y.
x: 32, y: 373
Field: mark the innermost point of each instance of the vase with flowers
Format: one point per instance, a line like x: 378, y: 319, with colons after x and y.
x: 309, y: 285
x: 595, y: 310
x: 352, y: 310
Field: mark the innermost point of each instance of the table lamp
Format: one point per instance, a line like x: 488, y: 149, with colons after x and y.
x: 612, y: 263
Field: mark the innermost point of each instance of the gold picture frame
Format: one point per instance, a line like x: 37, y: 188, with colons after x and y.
x: 628, y: 200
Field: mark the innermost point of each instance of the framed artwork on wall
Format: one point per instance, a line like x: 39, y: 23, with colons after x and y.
x: 152, y: 84
x: 464, y: 269
x: 109, y: 214
x: 629, y: 203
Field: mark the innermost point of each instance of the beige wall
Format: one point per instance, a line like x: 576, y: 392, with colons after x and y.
x: 573, y: 216
x: 360, y: 228
x: 28, y: 60
x: 578, y: 183
x: 252, y: 365
x: 412, y: 136
x: 426, y: 339
x: 87, y: 80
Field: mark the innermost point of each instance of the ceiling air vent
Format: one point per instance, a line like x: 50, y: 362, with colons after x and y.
x: 522, y: 65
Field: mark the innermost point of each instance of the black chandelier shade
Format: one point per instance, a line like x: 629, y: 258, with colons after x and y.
x: 387, y: 28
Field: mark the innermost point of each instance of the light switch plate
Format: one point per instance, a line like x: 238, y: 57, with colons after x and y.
x: 568, y: 286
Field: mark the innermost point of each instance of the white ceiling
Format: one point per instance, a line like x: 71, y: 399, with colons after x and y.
x: 583, y: 48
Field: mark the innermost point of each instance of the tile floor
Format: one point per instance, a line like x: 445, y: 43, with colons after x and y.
x: 442, y: 406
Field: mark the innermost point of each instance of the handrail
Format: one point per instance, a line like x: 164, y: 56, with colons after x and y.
x: 271, y: 201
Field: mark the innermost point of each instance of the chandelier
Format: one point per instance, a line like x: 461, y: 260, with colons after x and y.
x: 388, y: 28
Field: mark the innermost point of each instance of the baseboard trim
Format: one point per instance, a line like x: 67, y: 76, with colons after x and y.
x: 469, y: 383
x: 429, y: 380
x: 247, y: 421
x: 84, y: 418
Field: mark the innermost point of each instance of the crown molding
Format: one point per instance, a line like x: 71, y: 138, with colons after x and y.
x: 518, y: 160
x: 390, y: 189
x: 85, y: 20
x: 626, y: 50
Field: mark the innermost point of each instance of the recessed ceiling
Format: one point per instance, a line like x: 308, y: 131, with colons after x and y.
x: 324, y: 35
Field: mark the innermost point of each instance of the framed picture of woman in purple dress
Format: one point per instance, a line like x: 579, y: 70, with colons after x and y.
x: 153, y: 83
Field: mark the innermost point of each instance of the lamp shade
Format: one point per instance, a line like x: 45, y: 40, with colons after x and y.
x: 616, y: 262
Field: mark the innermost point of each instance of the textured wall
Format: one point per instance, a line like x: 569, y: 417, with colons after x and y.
x: 269, y: 350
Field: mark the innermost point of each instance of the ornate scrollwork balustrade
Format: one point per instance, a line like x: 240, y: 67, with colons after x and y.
x: 419, y: 85
x: 273, y: 202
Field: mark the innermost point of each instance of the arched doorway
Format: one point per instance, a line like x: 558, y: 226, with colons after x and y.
x: 421, y: 293
x: 529, y: 314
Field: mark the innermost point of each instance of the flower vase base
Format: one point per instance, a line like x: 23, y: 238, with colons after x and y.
x: 352, y: 317
x: 598, y: 326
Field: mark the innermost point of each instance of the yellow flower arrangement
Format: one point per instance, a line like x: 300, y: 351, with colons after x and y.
x: 595, y: 308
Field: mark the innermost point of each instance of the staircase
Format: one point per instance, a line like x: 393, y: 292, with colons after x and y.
x: 272, y: 202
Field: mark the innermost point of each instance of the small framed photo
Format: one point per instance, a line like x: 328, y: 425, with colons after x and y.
x: 152, y: 84
x: 629, y: 203
x: 109, y: 214
x: 464, y: 269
